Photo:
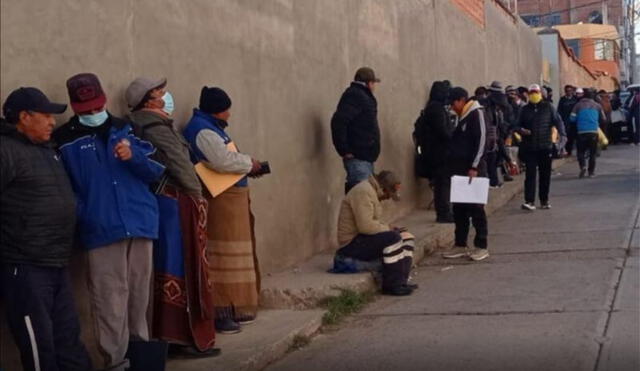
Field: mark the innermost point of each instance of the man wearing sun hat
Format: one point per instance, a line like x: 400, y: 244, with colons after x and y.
x: 36, y: 236
x: 111, y: 171
x: 363, y: 236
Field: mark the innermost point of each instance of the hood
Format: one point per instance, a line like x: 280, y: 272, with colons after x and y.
x: 439, y: 92
x: 498, y: 99
x: 471, y: 106
x: 144, y: 118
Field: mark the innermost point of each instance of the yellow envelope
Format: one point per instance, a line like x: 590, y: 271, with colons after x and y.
x: 217, y: 182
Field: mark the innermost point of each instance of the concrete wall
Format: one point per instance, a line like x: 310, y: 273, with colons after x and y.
x: 285, y: 64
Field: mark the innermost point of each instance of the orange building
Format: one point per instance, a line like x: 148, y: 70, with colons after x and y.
x: 595, y: 45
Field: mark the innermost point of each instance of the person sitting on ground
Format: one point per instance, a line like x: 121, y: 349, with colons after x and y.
x: 363, y: 236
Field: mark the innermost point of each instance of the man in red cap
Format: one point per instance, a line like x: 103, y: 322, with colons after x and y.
x: 37, y: 224
x: 111, y: 172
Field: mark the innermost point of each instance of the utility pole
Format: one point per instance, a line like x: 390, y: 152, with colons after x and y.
x: 632, y: 40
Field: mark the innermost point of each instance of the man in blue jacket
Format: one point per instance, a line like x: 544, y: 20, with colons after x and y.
x: 111, y: 172
x: 587, y: 115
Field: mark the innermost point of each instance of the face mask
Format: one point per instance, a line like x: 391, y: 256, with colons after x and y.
x: 94, y: 120
x: 535, y: 98
x: 167, y: 98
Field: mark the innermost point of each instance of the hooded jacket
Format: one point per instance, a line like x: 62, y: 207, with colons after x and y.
x: 37, y: 205
x: 354, y: 125
x: 469, y: 138
x: 433, y: 128
x: 587, y: 114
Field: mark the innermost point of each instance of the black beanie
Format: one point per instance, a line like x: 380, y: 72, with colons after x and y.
x: 214, y: 100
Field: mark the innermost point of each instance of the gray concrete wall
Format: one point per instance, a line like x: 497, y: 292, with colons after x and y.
x: 285, y: 64
x: 550, y: 52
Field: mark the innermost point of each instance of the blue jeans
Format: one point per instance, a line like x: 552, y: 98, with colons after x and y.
x: 357, y: 171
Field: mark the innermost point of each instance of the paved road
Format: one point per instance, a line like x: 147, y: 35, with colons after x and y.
x: 561, y: 291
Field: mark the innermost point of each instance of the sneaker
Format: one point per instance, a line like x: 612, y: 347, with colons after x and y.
x: 245, y: 320
x: 397, y: 291
x: 592, y: 175
x: 545, y: 206
x: 582, y: 173
x: 478, y: 254
x: 528, y: 206
x: 456, y: 252
x: 227, y: 326
x: 412, y: 286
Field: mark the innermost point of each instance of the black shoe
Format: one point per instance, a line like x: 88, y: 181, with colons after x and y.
x: 182, y: 351
x: 508, y: 178
x: 412, y: 286
x: 582, y: 173
x: 227, y: 326
x: 445, y: 219
x: 397, y: 291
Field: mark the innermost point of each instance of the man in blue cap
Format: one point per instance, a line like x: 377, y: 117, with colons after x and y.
x: 37, y: 225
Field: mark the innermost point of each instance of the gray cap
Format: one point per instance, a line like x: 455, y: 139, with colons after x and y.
x: 496, y: 86
x: 139, y: 88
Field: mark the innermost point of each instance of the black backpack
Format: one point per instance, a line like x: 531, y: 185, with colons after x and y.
x: 423, y: 167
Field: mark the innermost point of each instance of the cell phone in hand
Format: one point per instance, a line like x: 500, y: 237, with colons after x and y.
x: 264, y: 168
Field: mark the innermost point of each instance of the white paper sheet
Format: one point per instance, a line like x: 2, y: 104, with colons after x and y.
x: 475, y: 193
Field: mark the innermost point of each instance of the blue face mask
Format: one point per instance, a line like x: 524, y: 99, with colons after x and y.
x: 167, y: 98
x: 94, y: 120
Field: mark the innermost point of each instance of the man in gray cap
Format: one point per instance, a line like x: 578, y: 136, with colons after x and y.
x: 182, y: 219
x: 501, y: 119
x: 354, y: 127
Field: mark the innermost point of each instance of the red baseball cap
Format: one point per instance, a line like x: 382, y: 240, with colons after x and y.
x: 85, y: 92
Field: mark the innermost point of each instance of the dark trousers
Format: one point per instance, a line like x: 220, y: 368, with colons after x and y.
x: 42, y: 318
x: 537, y: 163
x: 572, y: 134
x: 492, y: 168
x: 395, y: 251
x: 461, y: 214
x: 441, y: 192
x: 587, y: 147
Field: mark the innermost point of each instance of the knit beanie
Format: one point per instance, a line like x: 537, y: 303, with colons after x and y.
x: 214, y: 100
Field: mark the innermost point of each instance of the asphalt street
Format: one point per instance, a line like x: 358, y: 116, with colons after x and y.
x: 561, y: 291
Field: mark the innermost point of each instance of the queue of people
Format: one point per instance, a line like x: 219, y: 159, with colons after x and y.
x: 128, y: 190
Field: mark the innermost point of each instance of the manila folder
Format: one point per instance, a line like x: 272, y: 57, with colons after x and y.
x: 217, y: 182
x: 476, y: 192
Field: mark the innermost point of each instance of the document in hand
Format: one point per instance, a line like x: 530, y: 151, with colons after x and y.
x: 476, y: 192
x: 217, y: 182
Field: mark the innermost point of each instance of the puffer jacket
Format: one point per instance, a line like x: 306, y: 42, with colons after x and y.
x: 354, y: 125
x: 538, y: 118
x: 37, y: 204
x: 433, y: 128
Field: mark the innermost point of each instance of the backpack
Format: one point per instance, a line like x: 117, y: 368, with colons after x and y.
x: 423, y: 167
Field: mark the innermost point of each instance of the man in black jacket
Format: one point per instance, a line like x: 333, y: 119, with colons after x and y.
x: 534, y: 124
x: 432, y: 134
x: 354, y: 127
x: 36, y: 235
x: 466, y: 158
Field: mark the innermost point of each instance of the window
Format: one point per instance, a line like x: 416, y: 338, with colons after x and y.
x: 531, y: 20
x: 574, y: 44
x: 553, y: 19
x: 604, y: 50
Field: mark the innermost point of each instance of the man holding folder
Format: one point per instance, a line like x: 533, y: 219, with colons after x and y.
x: 233, y: 266
x: 466, y: 158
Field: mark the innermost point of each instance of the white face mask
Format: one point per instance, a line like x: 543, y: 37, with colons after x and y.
x: 167, y: 98
x: 94, y: 120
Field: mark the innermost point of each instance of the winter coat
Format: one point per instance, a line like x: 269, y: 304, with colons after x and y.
x: 565, y: 106
x: 361, y: 211
x: 468, y: 141
x: 172, y: 149
x: 433, y: 130
x: 114, y: 200
x: 354, y: 125
x: 538, y: 118
x: 37, y: 205
x: 587, y: 114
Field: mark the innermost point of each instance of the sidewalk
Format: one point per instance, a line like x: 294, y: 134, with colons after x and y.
x: 289, y: 300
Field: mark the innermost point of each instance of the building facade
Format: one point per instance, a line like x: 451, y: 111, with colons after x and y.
x: 541, y: 13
